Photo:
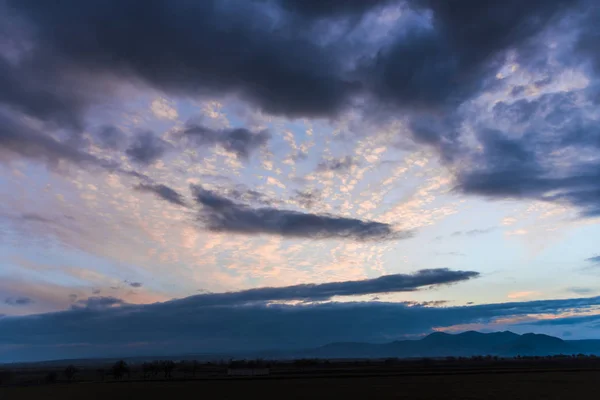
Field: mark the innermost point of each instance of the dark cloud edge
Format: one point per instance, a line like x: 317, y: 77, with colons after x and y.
x: 183, y: 326
x: 221, y: 214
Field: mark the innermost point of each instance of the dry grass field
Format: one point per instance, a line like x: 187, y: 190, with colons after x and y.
x: 485, y: 385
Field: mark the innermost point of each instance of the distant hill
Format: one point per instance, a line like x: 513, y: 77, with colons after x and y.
x: 439, y: 344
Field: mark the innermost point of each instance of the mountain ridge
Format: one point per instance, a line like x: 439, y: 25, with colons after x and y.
x: 469, y: 343
x: 436, y: 344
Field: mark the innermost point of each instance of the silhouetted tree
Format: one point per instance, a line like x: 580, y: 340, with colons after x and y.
x: 168, y: 367
x: 306, y: 362
x: 188, y: 368
x: 148, y: 369
x: 120, y: 369
x: 70, y: 372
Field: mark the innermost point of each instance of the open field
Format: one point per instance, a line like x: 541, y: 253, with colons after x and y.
x: 562, y: 378
x: 488, y: 385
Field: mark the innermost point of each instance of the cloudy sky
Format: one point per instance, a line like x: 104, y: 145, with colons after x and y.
x: 284, y: 173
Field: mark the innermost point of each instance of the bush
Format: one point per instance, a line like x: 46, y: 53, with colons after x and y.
x: 306, y: 362
x: 70, y: 372
x: 101, y: 373
x: 120, y: 369
x: 51, y: 377
x: 5, y: 376
x: 168, y: 367
x: 390, y: 361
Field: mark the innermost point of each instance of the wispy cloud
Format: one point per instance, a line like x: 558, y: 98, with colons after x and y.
x: 517, y: 232
x: 162, y: 109
x: 18, y: 301
x: 582, y: 290
x: 97, y: 303
x: 473, y: 232
x: 337, y: 164
x: 594, y: 260
x: 522, y: 294
x: 307, y: 198
x: 450, y: 253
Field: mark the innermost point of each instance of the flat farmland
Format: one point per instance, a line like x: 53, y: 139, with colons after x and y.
x: 472, y: 385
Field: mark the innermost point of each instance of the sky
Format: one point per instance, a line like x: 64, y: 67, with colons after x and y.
x: 209, y: 176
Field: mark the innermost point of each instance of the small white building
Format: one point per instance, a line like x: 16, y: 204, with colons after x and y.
x: 247, y: 371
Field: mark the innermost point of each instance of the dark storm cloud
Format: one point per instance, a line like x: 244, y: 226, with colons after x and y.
x: 40, y: 83
x: 207, y: 47
x: 147, y: 148
x: 162, y: 191
x: 588, y: 38
x: 239, y: 141
x: 45, y: 92
x: 328, y: 8
x: 427, y: 67
x: 18, y: 301
x: 337, y: 164
x: 540, y: 148
x: 325, y: 291
x: 440, y: 55
x: 546, y: 153
x: 443, y: 65
x: 442, y: 133
x: 188, y: 325
x: 135, y: 284
x: 544, y: 162
x: 221, y: 214
x: 252, y: 49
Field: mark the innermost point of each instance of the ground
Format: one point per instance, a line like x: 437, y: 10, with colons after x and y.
x: 471, y: 385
